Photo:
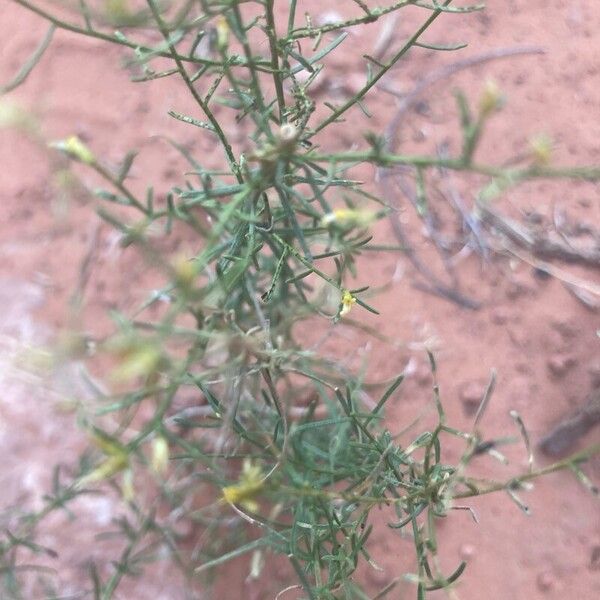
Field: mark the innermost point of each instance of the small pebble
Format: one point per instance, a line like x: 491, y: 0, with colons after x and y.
x: 560, y: 364
x: 518, y: 288
x: 470, y: 395
x: 467, y: 551
x: 377, y: 577
x: 567, y: 328
x: 545, y: 581
x: 499, y: 315
x: 518, y: 336
x: 423, y: 376
x: 594, y: 371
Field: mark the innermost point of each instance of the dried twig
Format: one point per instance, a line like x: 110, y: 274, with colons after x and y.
x: 561, y: 439
x: 434, y: 285
x: 470, y: 220
x: 538, y: 246
x: 408, y: 100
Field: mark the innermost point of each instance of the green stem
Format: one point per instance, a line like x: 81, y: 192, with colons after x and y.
x: 203, y: 105
x: 291, y: 17
x: 561, y: 465
x: 335, y: 115
x: 103, y: 172
x: 277, y: 79
x: 243, y: 39
x: 589, y: 173
x: 375, y: 14
x: 106, y: 37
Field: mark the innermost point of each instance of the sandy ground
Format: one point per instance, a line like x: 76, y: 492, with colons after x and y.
x: 539, y: 338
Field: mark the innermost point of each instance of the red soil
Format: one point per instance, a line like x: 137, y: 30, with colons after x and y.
x: 539, y: 338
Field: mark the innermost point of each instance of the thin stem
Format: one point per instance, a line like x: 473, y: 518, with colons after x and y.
x: 561, y: 465
x: 375, y: 14
x: 203, y: 105
x: 26, y: 69
x: 291, y: 17
x: 93, y: 33
x: 243, y: 39
x: 338, y: 112
x: 277, y: 79
x: 589, y: 173
x: 106, y: 174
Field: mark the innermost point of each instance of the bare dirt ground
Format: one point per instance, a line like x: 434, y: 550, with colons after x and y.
x: 541, y: 340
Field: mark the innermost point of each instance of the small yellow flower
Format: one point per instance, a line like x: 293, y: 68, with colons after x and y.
x: 127, y: 487
x: 222, y: 34
x: 348, y: 218
x: 250, y: 484
x: 185, y: 271
x: 137, y: 358
x: 118, y: 11
x: 348, y: 301
x: 160, y: 455
x: 491, y: 100
x: 14, y: 115
x: 541, y: 149
x: 116, y: 460
x: 76, y: 149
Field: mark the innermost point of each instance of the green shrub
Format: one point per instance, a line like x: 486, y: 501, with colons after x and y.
x: 282, y: 438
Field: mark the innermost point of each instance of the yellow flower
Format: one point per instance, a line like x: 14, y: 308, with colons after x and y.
x: 250, y: 484
x: 137, y: 358
x: 117, y: 460
x: 185, y: 271
x: 13, y: 115
x: 541, y: 149
x: 160, y: 455
x: 76, y: 149
x: 348, y: 301
x: 491, y: 100
x: 118, y: 11
x: 222, y: 34
x: 348, y: 218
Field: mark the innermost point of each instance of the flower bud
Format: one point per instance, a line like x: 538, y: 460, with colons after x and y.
x: 13, y: 115
x: 348, y: 301
x: 541, y: 149
x: 288, y: 133
x: 222, y: 34
x: 347, y: 218
x: 185, y: 271
x: 491, y: 100
x: 160, y: 455
x: 75, y: 148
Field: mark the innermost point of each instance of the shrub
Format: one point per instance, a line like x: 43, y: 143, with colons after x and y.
x: 283, y: 439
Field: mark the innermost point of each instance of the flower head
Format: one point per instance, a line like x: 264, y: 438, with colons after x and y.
x: 160, y: 455
x: 348, y: 218
x: 541, y: 149
x: 137, y: 357
x: 115, y: 461
x: 223, y: 30
x: 491, y: 100
x: 249, y: 486
x: 75, y: 148
x: 348, y: 301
